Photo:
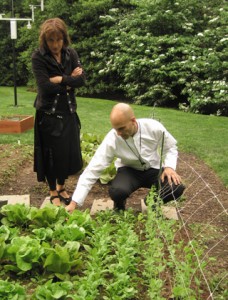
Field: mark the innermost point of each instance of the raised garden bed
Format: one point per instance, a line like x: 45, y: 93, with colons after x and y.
x: 16, y: 123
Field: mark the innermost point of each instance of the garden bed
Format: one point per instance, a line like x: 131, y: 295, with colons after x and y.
x: 174, y: 262
x: 16, y: 123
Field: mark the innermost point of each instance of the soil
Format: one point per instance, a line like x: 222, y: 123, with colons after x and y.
x: 203, y: 211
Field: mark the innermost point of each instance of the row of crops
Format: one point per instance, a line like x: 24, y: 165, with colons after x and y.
x: 50, y: 254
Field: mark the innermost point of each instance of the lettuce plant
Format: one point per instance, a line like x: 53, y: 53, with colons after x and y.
x: 24, y: 253
x: 47, y: 216
x: 82, y: 219
x: 10, y: 290
x: 44, y: 234
x: 15, y: 214
x: 57, y: 260
x: 70, y: 232
x: 8, y: 233
x: 53, y: 290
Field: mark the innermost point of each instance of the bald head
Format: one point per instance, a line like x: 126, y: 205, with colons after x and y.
x: 121, y: 111
x: 123, y: 120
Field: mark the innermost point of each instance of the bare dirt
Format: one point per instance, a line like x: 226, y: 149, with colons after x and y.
x: 204, y: 208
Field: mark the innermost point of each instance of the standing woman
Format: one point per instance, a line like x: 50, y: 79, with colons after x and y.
x: 57, y: 70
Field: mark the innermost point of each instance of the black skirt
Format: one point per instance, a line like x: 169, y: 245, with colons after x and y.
x: 57, y: 147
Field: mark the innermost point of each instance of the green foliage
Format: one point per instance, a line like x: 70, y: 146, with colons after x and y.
x: 81, y: 218
x: 69, y: 233
x: 57, y: 260
x: 181, y: 259
x: 3, y: 247
x: 43, y: 234
x: 108, y: 174
x: 8, y: 233
x: 53, y: 290
x: 89, y: 145
x: 156, y: 56
x: 15, y: 214
x: 116, y: 254
x: 47, y: 216
x: 24, y: 252
x: 38, y: 248
x: 11, y: 290
x: 157, y: 53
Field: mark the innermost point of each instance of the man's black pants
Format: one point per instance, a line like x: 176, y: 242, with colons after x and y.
x: 128, y: 180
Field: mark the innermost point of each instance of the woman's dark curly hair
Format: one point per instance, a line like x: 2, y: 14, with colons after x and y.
x: 50, y: 27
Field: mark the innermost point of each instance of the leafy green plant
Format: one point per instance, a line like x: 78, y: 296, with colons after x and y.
x: 124, y: 266
x: 47, y: 216
x: 57, y: 260
x: 2, y: 247
x: 218, y: 285
x: 11, y: 290
x: 53, y: 290
x: 61, y: 259
x: 89, y: 145
x: 109, y: 256
x: 25, y: 253
x: 94, y: 272
x: 108, y: 174
x: 8, y: 233
x: 82, y: 219
x: 43, y: 234
x: 153, y: 249
x: 70, y: 232
x: 15, y: 214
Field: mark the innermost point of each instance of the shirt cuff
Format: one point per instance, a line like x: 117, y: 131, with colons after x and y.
x: 80, y: 195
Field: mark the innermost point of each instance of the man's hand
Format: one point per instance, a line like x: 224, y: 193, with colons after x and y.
x: 71, y: 207
x: 171, y: 175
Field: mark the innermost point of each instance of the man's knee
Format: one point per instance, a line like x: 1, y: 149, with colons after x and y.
x: 171, y: 192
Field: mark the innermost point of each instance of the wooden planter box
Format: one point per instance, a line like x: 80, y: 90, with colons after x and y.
x: 16, y: 124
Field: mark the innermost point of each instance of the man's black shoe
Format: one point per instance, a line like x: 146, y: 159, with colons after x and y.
x: 119, y: 206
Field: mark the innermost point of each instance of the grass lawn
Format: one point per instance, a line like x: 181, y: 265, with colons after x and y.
x: 204, y: 136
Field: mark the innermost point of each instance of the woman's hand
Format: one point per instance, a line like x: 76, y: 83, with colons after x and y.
x: 77, y: 72
x: 56, y: 79
x: 71, y: 207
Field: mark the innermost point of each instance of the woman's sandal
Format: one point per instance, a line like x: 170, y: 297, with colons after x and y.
x: 52, y: 198
x: 63, y: 199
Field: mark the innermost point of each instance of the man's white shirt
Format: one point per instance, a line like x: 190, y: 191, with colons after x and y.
x: 142, y: 151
